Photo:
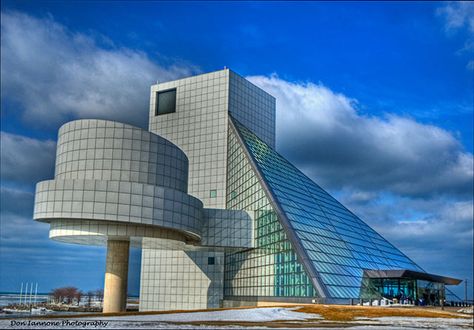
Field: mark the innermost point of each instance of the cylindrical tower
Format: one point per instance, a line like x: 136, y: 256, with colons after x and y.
x: 115, y: 184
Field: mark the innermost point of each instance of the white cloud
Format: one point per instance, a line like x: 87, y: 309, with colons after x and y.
x: 454, y: 218
x: 16, y: 202
x: 57, y: 74
x: 446, y: 232
x: 413, y: 222
x: 457, y: 15
x: 25, y: 159
x: 435, y: 232
x: 377, y: 165
x: 325, y: 135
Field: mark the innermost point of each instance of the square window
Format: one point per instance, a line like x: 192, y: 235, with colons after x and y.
x: 213, y: 193
x: 165, y: 102
x: 211, y: 261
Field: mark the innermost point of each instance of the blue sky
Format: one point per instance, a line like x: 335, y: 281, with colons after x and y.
x: 374, y: 101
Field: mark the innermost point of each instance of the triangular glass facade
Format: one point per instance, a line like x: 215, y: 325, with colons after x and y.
x: 273, y: 268
x: 333, y: 244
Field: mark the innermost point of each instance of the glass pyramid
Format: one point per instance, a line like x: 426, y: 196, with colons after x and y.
x: 273, y: 268
x: 332, y: 243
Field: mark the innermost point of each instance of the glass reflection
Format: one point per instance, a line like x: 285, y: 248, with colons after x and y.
x: 338, y: 243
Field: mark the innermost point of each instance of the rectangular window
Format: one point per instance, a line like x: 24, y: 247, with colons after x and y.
x: 211, y: 260
x: 213, y: 193
x: 165, y: 102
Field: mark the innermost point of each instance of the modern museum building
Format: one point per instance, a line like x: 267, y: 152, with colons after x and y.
x: 221, y: 218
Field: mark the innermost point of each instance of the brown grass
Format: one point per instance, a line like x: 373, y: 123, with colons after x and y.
x: 334, y: 315
x: 348, y: 313
x: 270, y: 324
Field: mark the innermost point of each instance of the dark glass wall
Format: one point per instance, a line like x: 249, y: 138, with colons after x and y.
x: 404, y: 290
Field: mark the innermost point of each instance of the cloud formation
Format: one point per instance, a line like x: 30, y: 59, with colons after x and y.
x: 26, y: 160
x: 427, y: 230
x: 25, y: 242
x: 410, y: 181
x: 331, y: 141
x: 459, y: 16
x: 16, y: 201
x: 56, y: 74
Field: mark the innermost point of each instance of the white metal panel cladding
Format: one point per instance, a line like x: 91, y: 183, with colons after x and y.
x: 129, y: 202
x: 107, y: 150
x: 115, y: 173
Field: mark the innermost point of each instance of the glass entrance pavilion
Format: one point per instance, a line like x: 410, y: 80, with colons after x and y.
x: 406, y: 286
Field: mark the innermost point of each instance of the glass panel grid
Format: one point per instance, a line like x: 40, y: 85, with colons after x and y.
x: 271, y: 269
x: 338, y: 243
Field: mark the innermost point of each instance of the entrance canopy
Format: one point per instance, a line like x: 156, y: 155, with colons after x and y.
x: 410, y: 274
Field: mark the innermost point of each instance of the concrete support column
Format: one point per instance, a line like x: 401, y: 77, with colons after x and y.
x: 116, y: 276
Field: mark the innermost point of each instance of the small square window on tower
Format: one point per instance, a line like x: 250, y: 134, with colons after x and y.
x: 213, y: 193
x: 165, y: 102
x: 211, y: 260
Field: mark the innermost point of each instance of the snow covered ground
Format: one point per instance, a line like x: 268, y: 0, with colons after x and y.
x: 255, y: 315
x: 233, y: 315
x: 466, y: 310
x: 412, y: 323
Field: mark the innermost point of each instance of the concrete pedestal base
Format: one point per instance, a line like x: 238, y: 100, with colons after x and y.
x: 116, y: 276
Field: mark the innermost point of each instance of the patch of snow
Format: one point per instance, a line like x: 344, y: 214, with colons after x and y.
x: 231, y: 315
x: 397, y: 322
x: 467, y: 310
x: 10, y: 324
x: 172, y: 321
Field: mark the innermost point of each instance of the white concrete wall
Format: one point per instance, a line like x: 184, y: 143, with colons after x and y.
x: 227, y: 228
x: 253, y: 107
x: 118, y: 201
x: 180, y: 280
x: 113, y: 172
x: 107, y: 150
x: 199, y: 127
